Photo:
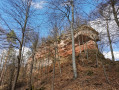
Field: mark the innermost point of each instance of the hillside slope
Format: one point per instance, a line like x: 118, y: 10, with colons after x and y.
x: 90, y: 77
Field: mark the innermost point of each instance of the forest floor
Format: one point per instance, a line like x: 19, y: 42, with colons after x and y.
x: 89, y: 77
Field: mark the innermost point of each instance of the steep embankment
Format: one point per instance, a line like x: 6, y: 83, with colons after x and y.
x: 90, y: 77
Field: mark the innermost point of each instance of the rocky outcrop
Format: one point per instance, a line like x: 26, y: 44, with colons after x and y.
x: 85, y: 39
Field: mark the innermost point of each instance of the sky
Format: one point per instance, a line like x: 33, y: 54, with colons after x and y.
x: 41, y: 22
x: 114, y: 30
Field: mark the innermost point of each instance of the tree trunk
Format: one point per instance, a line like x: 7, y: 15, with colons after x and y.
x: 30, y: 73
x: 20, y: 49
x: 17, y: 75
x: 86, y: 48
x: 53, y: 74
x: 110, y: 42
x: 79, y: 44
x: 105, y: 73
x: 4, y: 65
x: 58, y: 57
x: 1, y: 61
x: 54, y: 62
x: 11, y: 76
x: 73, y: 46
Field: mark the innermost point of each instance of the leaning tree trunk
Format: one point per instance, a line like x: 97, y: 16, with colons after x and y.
x: 105, y: 72
x: 20, y: 49
x: 110, y: 42
x: 18, y: 70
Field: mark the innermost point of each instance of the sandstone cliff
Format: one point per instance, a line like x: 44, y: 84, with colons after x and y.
x: 85, y: 40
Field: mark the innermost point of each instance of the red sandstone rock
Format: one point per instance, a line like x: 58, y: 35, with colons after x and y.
x: 65, y: 46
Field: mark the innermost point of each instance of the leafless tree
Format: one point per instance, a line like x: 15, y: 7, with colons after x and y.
x: 19, y: 11
x: 66, y: 9
x: 34, y: 39
x: 106, y: 14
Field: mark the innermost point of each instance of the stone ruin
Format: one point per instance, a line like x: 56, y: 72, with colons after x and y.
x: 85, y: 39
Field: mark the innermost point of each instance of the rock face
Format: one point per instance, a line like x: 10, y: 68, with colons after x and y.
x: 85, y: 39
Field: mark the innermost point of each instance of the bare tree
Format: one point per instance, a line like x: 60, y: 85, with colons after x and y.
x: 10, y: 55
x: 55, y: 37
x: 65, y: 11
x: 115, y: 9
x: 110, y: 41
x: 19, y: 11
x: 114, y: 4
x: 34, y: 40
x: 106, y: 15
